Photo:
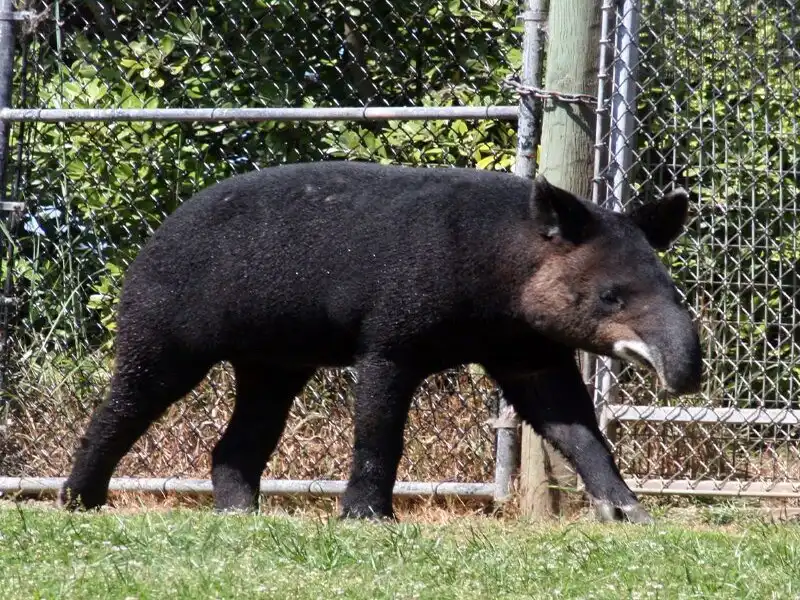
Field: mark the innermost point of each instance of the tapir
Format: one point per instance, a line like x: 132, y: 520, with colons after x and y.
x: 399, y: 272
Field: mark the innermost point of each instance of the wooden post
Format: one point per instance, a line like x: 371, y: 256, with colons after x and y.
x: 566, y: 160
x: 534, y: 468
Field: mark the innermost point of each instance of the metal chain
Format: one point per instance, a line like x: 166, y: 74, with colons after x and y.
x: 522, y: 89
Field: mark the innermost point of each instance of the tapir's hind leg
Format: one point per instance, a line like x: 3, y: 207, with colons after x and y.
x: 556, y: 403
x: 263, y: 399
x: 140, y: 394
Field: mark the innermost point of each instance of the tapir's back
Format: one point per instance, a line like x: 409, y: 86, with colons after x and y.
x: 331, y: 253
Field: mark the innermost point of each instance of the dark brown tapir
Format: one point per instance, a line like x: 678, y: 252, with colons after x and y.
x: 400, y: 272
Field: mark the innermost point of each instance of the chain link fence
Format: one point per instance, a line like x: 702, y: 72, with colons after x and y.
x: 94, y: 192
x: 700, y: 93
x: 707, y: 95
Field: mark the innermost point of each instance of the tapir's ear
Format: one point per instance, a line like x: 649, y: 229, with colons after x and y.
x: 662, y: 220
x: 559, y: 213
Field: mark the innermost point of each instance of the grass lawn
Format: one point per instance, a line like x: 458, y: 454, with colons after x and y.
x: 186, y: 553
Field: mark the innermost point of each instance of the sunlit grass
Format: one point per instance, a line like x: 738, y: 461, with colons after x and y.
x: 198, y: 554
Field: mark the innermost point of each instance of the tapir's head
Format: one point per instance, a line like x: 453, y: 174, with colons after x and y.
x: 598, y: 284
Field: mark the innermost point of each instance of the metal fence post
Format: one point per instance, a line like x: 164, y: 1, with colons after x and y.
x: 622, y: 128
x: 608, y: 14
x: 528, y: 132
x: 7, y: 209
x: 7, y: 17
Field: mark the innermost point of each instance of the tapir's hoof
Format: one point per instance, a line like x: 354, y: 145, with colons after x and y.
x: 71, y: 499
x: 236, y: 510
x: 637, y: 514
x: 366, y: 514
x: 633, y: 513
x: 231, y: 502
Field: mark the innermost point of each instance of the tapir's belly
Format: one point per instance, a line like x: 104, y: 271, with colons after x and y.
x: 299, y: 334
x: 309, y: 335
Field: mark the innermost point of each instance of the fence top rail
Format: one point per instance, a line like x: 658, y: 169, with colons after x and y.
x: 367, y: 113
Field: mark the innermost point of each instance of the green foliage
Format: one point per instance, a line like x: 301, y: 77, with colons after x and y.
x: 99, y: 190
x: 720, y: 98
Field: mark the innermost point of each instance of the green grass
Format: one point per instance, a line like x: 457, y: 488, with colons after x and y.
x: 184, y: 553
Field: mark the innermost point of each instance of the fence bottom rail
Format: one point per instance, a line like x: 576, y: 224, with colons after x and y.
x: 332, y: 488
x: 272, y: 487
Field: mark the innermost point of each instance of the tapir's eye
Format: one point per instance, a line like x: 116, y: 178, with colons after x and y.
x: 611, y: 297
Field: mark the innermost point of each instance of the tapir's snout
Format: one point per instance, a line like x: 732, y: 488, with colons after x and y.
x: 671, y: 348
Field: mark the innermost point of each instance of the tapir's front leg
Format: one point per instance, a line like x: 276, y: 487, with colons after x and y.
x: 383, y: 396
x: 556, y: 403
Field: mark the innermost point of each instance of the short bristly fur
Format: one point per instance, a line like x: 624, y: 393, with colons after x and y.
x: 401, y: 272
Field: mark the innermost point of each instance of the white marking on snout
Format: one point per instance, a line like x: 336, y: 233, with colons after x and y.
x: 637, y: 351
x: 634, y: 351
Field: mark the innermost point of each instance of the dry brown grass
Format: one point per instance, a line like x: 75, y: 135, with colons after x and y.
x: 706, y: 451
x: 419, y: 510
x: 423, y: 509
x: 447, y: 437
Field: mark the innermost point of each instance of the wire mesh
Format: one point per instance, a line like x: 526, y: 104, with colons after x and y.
x: 96, y: 191
x: 712, y: 96
x: 716, y: 110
